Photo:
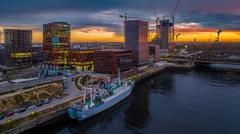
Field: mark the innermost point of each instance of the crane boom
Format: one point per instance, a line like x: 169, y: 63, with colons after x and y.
x: 126, y: 17
x: 176, y: 7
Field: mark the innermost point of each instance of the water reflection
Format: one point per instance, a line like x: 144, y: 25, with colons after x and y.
x: 163, y: 84
x: 137, y: 115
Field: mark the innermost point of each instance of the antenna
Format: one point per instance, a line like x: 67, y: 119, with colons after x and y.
x: 119, y: 75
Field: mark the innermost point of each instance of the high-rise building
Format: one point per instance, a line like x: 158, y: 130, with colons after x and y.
x: 18, y: 45
x: 136, y: 38
x: 56, y: 43
x: 165, y: 31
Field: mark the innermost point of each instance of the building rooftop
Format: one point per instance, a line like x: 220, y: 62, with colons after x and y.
x: 1, y: 46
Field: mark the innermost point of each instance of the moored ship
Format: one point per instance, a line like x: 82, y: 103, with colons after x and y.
x: 100, y: 99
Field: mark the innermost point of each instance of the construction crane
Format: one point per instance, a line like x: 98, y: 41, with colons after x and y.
x: 173, y: 13
x: 126, y: 17
x: 218, y: 34
x: 157, y: 20
x: 155, y: 14
x: 177, y: 35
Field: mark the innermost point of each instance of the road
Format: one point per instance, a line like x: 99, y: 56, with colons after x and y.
x: 72, y: 91
x: 17, y: 86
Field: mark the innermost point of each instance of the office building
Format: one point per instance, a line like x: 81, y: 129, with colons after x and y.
x: 2, y: 54
x: 82, y: 60
x: 110, y: 60
x: 37, y: 54
x: 18, y: 48
x: 136, y: 39
x: 56, y: 43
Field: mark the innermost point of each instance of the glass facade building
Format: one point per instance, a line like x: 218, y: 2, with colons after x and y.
x: 56, y: 43
x: 18, y: 47
x: 60, y: 53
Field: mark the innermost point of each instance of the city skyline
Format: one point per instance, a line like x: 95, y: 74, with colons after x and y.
x: 93, y: 21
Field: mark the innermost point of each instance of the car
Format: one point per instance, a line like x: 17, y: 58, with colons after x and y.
x: 20, y: 110
x: 46, y: 101
x: 31, y: 107
x: 59, y: 97
x: 1, y: 117
x: 40, y: 103
x: 9, y: 113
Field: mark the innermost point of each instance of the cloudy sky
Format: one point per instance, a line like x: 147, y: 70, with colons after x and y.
x: 98, y: 20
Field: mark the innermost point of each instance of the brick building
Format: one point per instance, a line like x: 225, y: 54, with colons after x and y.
x: 110, y: 60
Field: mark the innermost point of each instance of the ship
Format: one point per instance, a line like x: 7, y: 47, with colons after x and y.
x: 101, y: 99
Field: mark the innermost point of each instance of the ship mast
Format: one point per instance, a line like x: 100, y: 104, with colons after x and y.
x: 119, y: 75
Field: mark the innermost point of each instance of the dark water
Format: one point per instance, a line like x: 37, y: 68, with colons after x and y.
x: 198, y: 101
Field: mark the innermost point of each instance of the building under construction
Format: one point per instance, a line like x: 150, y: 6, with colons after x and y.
x: 165, y: 34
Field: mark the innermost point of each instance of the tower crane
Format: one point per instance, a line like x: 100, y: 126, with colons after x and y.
x: 173, y: 13
x: 156, y: 15
x: 157, y: 19
x: 218, y: 34
x: 126, y: 17
x: 177, y: 35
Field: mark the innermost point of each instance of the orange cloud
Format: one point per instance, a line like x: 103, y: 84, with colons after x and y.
x: 94, y: 34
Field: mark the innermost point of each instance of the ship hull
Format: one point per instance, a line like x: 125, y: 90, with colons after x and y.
x: 108, y: 103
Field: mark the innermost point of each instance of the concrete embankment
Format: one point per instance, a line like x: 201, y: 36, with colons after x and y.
x: 41, y: 117
x: 146, y: 73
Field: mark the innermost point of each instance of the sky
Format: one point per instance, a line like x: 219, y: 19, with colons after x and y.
x: 98, y: 20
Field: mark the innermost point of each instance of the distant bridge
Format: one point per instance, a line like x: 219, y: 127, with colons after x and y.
x: 216, y: 57
x: 202, y: 61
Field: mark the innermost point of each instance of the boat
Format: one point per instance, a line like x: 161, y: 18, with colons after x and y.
x: 103, y: 98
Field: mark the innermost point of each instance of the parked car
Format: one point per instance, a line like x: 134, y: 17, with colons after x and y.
x: 31, y: 107
x: 20, y: 110
x: 46, y: 101
x: 59, y: 97
x: 40, y: 103
x: 9, y: 113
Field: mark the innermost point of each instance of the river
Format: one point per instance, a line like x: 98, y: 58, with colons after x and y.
x: 177, y: 101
